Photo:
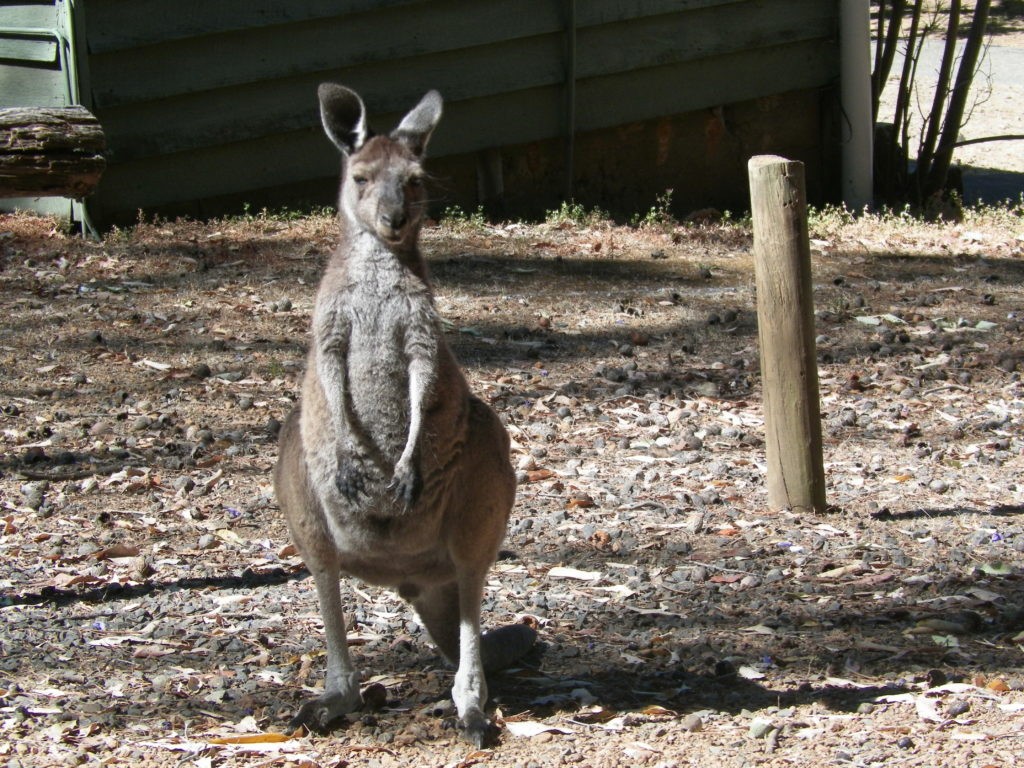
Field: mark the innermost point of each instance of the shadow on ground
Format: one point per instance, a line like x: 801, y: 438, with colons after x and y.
x: 990, y: 185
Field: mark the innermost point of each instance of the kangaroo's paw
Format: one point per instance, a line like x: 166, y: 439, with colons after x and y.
x: 323, y: 713
x: 406, y: 484
x: 350, y: 480
x: 478, y: 729
x: 502, y: 647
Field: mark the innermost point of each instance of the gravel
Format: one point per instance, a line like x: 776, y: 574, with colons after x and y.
x: 154, y: 613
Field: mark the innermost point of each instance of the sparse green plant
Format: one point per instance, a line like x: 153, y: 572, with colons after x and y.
x: 1008, y: 213
x: 284, y: 213
x: 829, y: 219
x: 730, y: 220
x: 275, y: 369
x: 659, y: 215
x: 119, y: 235
x: 458, y: 220
x: 572, y: 213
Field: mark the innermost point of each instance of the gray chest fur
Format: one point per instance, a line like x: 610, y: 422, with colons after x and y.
x: 374, y: 325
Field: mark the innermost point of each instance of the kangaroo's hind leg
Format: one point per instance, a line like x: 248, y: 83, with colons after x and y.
x: 341, y: 686
x: 451, y: 614
x: 308, y: 526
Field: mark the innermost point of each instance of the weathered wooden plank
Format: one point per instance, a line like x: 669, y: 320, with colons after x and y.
x: 26, y: 86
x: 188, y: 66
x: 28, y: 14
x: 50, y: 152
x: 40, y: 49
x: 701, y: 34
x: 616, y: 99
x: 277, y: 106
x: 306, y: 154
x: 253, y: 110
x: 192, y: 66
x: 116, y: 25
x: 593, y: 12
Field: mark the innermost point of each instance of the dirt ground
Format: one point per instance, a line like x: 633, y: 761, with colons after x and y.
x: 154, y: 613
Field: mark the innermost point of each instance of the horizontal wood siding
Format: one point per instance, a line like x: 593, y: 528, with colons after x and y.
x: 207, y: 99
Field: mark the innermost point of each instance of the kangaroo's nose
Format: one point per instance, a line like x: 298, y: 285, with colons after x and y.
x: 394, y: 219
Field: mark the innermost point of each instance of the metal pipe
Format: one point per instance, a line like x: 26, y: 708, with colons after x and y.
x: 855, y: 88
x: 570, y: 98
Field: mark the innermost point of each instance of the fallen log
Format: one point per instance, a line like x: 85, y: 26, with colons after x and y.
x: 50, y: 152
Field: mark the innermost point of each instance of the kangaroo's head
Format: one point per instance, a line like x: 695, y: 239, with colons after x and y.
x: 382, y: 188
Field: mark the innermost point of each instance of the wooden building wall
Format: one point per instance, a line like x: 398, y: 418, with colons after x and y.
x: 209, y: 104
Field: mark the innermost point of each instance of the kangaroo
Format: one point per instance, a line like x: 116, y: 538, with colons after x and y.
x: 390, y: 470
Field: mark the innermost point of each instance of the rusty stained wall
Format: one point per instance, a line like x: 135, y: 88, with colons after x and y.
x: 701, y: 156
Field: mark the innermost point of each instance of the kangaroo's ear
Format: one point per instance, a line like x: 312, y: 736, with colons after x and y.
x: 415, y: 129
x: 343, y: 115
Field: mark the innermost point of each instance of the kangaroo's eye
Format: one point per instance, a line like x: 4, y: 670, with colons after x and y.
x: 360, y: 181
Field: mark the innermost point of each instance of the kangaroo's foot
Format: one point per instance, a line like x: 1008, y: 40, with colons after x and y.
x: 323, y: 713
x: 478, y: 729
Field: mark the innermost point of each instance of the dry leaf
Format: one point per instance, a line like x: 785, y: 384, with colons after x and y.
x: 65, y: 580
x: 581, y: 501
x: 562, y: 572
x: 998, y: 685
x: 872, y: 579
x: 536, y: 475
x: 531, y: 728
x: 654, y: 710
x: 228, y: 535
x: 594, y: 715
x: 151, y: 651
x: 640, y: 751
x: 843, y: 570
x: 927, y: 710
x: 117, y: 550
x: 155, y: 365
x: 726, y: 578
x: 252, y: 738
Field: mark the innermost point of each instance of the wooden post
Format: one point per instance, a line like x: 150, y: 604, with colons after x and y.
x: 785, y: 322
x: 46, y: 152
